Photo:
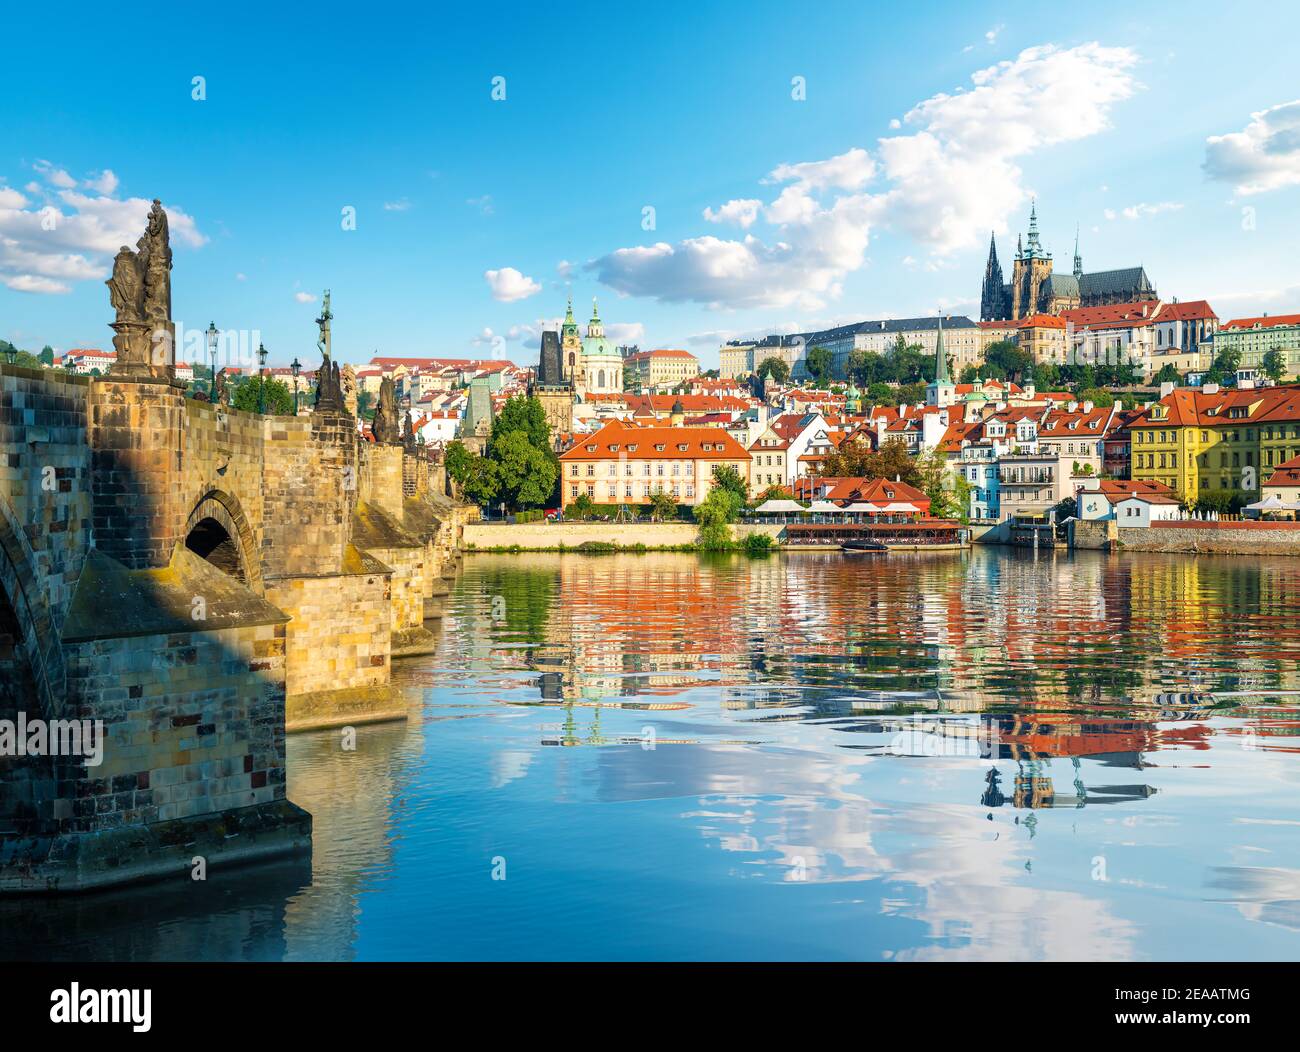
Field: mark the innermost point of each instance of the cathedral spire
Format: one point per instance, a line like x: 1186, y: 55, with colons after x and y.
x: 993, y: 294
x: 1034, y: 248
x: 1078, y: 260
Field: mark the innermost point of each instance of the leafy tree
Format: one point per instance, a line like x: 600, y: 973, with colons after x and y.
x: 774, y: 492
x: 457, y: 460
x: 1228, y: 360
x: 1047, y: 377
x: 1274, y: 364
x: 1167, y: 375
x: 663, y: 505
x: 911, y: 394
x: 262, y: 392
x: 583, y: 507
x: 480, y: 482
x: 819, y: 363
x: 521, y: 413
x: 882, y: 394
x: 728, y: 478
x: 1007, y: 360
x: 865, y: 368
x: 949, y: 492
x: 1098, y: 396
x: 47, y: 355
x: 714, y: 515
x: 773, y: 367
x: 858, y: 460
x: 525, y: 476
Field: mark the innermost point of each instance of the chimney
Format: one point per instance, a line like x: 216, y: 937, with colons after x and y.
x: 1166, y: 389
x: 1210, y: 389
x: 1087, y: 406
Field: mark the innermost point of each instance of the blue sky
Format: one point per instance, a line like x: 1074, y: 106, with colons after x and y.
x: 835, y: 215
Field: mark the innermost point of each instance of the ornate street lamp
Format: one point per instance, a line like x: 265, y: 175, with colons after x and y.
x: 212, y: 357
x: 295, y: 367
x: 261, y: 379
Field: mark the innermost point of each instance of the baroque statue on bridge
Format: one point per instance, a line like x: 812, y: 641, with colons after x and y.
x: 141, y: 294
x: 386, y: 428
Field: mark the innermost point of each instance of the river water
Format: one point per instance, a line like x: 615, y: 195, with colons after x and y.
x: 989, y: 755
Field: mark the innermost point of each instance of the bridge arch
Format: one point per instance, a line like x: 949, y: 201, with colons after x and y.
x: 31, y: 656
x: 218, y: 530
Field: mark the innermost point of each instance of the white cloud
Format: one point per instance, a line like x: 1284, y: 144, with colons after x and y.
x: 104, y: 183
x: 241, y: 276
x: 1264, y: 156
x: 304, y: 297
x: 741, y: 212
x: 564, y: 268
x: 1141, y: 211
x: 55, y: 176
x: 849, y: 171
x: 623, y: 333
x: 483, y: 204
x: 74, y: 236
x: 950, y: 181
x: 400, y: 205
x: 957, y: 177
x: 992, y: 35
x: 509, y: 285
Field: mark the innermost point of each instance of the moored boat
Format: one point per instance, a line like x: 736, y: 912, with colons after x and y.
x: 863, y: 548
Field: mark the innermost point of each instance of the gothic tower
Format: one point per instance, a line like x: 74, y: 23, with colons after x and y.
x: 993, y: 305
x: 1030, y: 272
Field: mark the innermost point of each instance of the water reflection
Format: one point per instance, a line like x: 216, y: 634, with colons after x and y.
x: 988, y: 755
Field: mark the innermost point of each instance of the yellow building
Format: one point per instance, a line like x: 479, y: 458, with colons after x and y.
x: 1207, y: 442
x: 661, y: 368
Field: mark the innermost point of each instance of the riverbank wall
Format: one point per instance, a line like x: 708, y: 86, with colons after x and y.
x: 1191, y: 537
x: 551, y: 536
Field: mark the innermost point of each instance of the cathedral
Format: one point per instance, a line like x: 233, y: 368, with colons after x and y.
x: 573, y: 366
x: 1034, y: 289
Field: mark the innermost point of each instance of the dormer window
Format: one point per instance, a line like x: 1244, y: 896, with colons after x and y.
x: 682, y: 446
x: 631, y: 448
x: 659, y: 446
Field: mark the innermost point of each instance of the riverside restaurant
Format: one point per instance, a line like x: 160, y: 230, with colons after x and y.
x: 824, y: 524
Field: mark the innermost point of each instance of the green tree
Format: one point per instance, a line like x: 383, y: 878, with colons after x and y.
x: 457, y: 460
x: 859, y: 460
x: 262, y: 393
x: 480, y: 482
x: 714, y: 515
x: 1274, y: 364
x: 583, y: 507
x: 663, y: 505
x: 1098, y: 396
x: 47, y: 355
x: 728, y: 479
x: 1167, y: 375
x: 819, y: 362
x: 773, y: 367
x: 949, y: 492
x: 521, y: 413
x: 525, y: 475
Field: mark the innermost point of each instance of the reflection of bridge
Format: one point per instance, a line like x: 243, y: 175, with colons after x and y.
x: 175, y: 569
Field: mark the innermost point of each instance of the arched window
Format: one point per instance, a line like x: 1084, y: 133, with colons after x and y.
x: 600, y: 378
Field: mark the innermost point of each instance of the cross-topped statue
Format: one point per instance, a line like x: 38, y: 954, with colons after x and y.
x: 324, y: 322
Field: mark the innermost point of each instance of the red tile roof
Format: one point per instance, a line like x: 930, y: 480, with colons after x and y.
x: 617, y: 439
x: 1266, y: 321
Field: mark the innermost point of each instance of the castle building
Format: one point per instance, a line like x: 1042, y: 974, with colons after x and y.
x: 1036, y: 289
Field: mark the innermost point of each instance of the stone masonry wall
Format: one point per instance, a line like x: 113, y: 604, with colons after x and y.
x: 224, y: 455
x: 194, y: 723
x: 45, y: 517
x: 383, y: 480
x: 136, y: 433
x: 309, y: 482
x: 340, y: 633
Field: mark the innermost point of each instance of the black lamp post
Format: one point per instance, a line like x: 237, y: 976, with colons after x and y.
x: 295, y: 367
x: 261, y: 379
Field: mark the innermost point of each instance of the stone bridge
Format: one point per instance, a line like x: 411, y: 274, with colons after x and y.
x: 197, y: 578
